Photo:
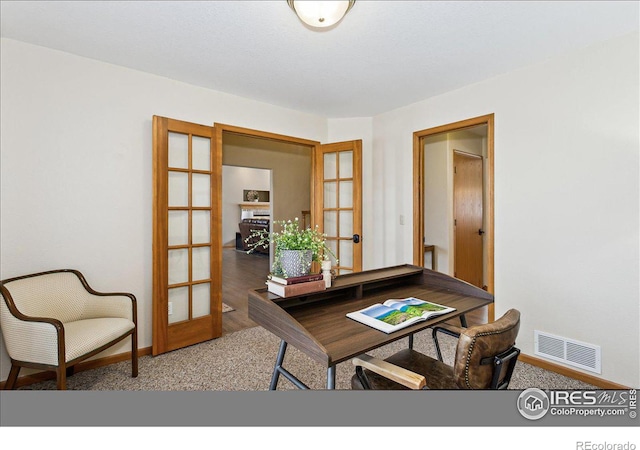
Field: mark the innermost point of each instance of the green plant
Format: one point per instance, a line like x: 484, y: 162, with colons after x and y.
x: 291, y: 237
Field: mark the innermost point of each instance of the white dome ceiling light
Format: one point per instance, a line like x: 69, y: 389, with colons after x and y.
x: 320, y: 14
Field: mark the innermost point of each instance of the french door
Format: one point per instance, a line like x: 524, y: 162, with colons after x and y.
x: 338, y: 201
x: 187, y: 223
x: 187, y: 294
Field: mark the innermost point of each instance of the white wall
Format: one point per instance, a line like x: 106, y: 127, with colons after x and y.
x: 566, y: 194
x: 76, y: 166
x: 437, y: 202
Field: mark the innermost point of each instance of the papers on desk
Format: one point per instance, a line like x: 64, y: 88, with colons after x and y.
x: 394, y: 315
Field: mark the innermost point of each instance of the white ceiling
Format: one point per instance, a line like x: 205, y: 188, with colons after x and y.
x: 383, y: 55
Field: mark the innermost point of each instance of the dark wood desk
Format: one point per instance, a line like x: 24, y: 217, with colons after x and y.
x: 317, y: 325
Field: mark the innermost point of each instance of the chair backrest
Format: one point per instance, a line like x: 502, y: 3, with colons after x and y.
x: 57, y: 294
x: 477, y: 349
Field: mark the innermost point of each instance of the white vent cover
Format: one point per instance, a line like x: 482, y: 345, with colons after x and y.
x: 568, y: 351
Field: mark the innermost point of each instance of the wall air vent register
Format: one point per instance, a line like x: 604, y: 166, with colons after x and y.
x: 568, y: 351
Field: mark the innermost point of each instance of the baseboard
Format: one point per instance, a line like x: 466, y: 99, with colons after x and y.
x: 571, y: 373
x: 38, y: 377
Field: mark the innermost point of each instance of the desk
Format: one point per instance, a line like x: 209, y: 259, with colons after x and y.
x: 316, y: 324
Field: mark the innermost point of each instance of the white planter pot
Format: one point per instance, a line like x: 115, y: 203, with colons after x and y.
x: 296, y: 263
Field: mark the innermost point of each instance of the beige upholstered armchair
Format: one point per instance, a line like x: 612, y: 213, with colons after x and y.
x: 54, y: 320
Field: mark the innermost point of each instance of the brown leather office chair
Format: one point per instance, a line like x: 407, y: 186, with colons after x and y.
x: 485, y: 358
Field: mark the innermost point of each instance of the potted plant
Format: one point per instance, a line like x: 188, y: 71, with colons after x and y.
x: 295, y: 248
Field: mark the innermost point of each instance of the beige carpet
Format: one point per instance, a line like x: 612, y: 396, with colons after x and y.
x: 226, y: 308
x: 243, y: 361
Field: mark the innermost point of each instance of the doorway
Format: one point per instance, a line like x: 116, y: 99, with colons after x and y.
x: 434, y: 197
x: 279, y: 171
x: 246, y: 194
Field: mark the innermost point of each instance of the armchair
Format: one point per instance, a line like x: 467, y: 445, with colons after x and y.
x: 54, y: 320
x: 485, y: 358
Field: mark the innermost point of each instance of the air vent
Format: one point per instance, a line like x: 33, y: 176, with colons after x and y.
x: 568, y: 351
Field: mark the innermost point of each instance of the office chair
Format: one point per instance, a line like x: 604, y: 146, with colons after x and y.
x: 485, y: 358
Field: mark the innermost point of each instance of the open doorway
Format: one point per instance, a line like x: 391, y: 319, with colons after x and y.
x: 264, y: 180
x: 453, y: 212
x: 246, y: 204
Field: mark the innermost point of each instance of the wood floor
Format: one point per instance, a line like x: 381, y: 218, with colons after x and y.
x: 241, y: 272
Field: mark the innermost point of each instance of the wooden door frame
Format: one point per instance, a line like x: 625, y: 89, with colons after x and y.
x: 418, y: 192
x: 264, y: 135
x: 225, y: 128
x: 221, y: 128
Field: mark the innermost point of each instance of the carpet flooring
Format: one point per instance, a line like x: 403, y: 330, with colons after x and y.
x: 244, y: 360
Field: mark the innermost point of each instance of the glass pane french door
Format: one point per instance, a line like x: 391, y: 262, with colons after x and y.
x: 186, y: 276
x: 338, y: 201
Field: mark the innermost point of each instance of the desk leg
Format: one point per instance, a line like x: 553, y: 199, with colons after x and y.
x: 279, y: 370
x: 331, y: 377
x: 276, y: 370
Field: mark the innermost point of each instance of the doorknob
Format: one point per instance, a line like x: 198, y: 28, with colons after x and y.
x: 356, y: 238
x: 480, y: 231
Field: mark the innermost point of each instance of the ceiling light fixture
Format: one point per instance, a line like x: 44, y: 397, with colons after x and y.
x: 320, y: 14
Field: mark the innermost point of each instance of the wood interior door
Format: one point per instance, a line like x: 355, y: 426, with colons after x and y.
x: 337, y: 186
x: 187, y: 252
x: 468, y: 217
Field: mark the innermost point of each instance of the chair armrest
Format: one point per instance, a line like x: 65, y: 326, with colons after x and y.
x: 445, y: 328
x: 111, y: 305
x: 395, y: 373
x: 108, y: 304
x: 46, y: 331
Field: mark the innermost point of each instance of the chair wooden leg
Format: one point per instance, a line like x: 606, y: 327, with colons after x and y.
x: 134, y: 354
x: 61, y: 377
x: 13, y: 377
